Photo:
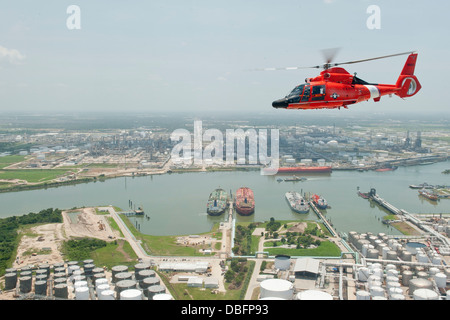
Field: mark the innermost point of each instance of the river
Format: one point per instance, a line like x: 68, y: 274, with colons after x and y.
x: 176, y: 203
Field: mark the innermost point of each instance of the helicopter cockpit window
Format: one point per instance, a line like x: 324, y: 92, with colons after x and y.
x: 294, y: 96
x: 306, y: 94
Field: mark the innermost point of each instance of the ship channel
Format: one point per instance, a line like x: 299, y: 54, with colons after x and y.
x: 175, y: 204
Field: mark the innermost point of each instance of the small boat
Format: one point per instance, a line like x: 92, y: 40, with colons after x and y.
x: 421, y: 186
x: 295, y: 178
x: 139, y: 211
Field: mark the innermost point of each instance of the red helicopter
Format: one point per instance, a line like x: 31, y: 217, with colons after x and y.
x: 336, y: 88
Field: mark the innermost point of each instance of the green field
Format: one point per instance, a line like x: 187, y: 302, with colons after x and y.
x: 9, y: 160
x: 32, y: 175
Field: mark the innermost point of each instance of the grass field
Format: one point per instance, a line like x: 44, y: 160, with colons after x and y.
x: 9, y: 160
x: 32, y: 175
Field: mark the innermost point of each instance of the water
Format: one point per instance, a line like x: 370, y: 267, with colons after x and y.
x: 176, y: 203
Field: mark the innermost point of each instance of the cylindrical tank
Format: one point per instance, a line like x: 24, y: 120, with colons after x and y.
x: 162, y: 296
x: 436, y: 260
x: 107, y: 295
x: 60, y: 280
x: 59, y: 270
x: 282, y: 262
x: 407, y: 275
x: 61, y: 291
x: 391, y: 255
x: 123, y: 276
x: 277, y: 288
x: 392, y: 273
x: 139, y: 267
x: 124, y: 285
x: 372, y: 254
x: 314, y: 295
x: 419, y: 283
x: 26, y: 273
x: 118, y: 269
x: 142, y: 274
x: 363, y: 274
x: 377, y: 292
x: 100, y: 281
x: 152, y: 290
x: 102, y: 287
x: 46, y: 267
x: 425, y: 294
x: 395, y: 290
x: 422, y: 274
x: 150, y: 281
x: 25, y: 284
x: 131, y: 294
x: 82, y: 293
x: 88, y: 268
x: 79, y: 284
x: 422, y: 258
x: 406, y: 256
x: 10, y: 280
x: 88, y: 261
x: 72, y: 268
x: 362, y: 295
x: 397, y: 297
x: 40, y: 288
x: 97, y: 270
x: 440, y: 279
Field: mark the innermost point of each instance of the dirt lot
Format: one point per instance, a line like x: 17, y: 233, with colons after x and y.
x: 41, y: 244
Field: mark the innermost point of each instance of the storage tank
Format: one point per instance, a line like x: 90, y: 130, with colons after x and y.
x: 282, y: 262
x: 40, y: 288
x: 425, y: 294
x: 153, y: 290
x: 124, y: 285
x: 162, y: 296
x: 10, y: 280
x: 277, y: 288
x: 314, y: 295
x: 377, y: 292
x: 118, y: 269
x: 82, y: 293
x: 363, y: 274
x: 406, y: 256
x: 100, y: 281
x: 25, y: 284
x: 419, y: 283
x: 61, y: 280
x: 102, y: 287
x: 372, y: 254
x: 79, y: 284
x: 123, y: 276
x: 88, y: 270
x: 107, y: 295
x: 440, y: 279
x: 391, y: 255
x: 61, y: 291
x: 139, y: 267
x: 145, y: 274
x: 131, y: 294
x: 150, y: 281
x: 397, y: 297
x: 362, y: 295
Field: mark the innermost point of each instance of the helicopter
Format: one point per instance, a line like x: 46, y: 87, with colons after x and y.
x: 336, y: 88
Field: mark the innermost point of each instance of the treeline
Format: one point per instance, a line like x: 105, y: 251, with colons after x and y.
x: 8, y: 231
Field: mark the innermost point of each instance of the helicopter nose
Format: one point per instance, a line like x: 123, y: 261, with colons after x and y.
x: 280, y: 103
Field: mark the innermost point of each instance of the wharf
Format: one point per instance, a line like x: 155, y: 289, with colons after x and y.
x: 321, y: 216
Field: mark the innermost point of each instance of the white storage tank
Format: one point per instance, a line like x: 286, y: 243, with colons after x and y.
x: 397, y: 297
x: 425, y: 294
x: 277, y: 288
x: 363, y: 274
x: 131, y: 294
x: 377, y: 292
x: 162, y: 296
x: 419, y: 283
x: 440, y: 279
x: 107, y: 295
x: 314, y: 295
x: 102, y: 287
x: 362, y: 295
x: 282, y: 262
x: 82, y: 293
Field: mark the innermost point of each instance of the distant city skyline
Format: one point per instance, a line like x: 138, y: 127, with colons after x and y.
x: 195, y: 56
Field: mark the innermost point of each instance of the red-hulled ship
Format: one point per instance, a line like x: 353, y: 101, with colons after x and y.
x: 245, y: 201
x: 322, y: 169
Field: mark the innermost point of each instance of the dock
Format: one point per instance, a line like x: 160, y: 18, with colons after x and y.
x: 375, y: 197
x: 322, y: 217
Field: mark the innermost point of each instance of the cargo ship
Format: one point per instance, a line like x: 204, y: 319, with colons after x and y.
x: 428, y: 195
x: 389, y: 168
x: 245, y: 201
x: 319, y: 201
x: 296, y: 202
x: 301, y: 169
x: 217, y: 202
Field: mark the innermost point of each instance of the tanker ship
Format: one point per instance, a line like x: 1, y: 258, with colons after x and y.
x: 245, y: 201
x: 301, y: 169
x: 217, y: 202
x: 297, y: 202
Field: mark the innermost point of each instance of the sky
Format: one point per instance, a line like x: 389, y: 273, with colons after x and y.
x: 186, y: 55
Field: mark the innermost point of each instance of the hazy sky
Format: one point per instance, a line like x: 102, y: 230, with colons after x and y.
x: 195, y: 55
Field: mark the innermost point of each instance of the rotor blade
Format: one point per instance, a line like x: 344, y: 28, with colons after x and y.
x: 370, y: 59
x: 329, y: 54
x: 284, y: 68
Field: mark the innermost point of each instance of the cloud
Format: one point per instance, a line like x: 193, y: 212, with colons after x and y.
x: 13, y: 56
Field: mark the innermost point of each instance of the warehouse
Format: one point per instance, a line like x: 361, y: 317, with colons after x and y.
x: 306, y: 268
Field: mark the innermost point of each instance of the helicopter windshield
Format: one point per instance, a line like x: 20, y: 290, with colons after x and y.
x: 297, y: 91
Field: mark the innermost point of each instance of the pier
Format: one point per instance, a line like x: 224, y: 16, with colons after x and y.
x: 322, y: 217
x: 375, y: 197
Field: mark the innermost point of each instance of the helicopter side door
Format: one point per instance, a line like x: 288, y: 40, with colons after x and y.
x: 306, y: 94
x: 318, y: 93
